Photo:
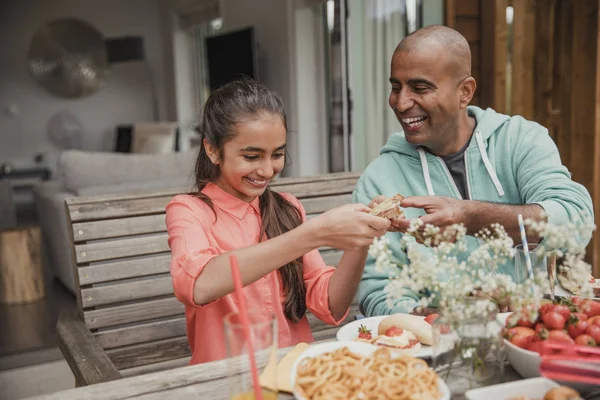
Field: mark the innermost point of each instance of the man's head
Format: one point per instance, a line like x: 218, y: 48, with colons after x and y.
x: 432, y: 86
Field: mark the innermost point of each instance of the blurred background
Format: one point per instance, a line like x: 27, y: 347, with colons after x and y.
x: 105, y: 83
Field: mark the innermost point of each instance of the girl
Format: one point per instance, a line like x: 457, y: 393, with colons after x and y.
x: 243, y: 149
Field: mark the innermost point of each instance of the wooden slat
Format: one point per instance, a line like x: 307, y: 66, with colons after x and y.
x: 469, y: 28
x: 84, y: 355
x: 148, y: 353
x: 128, y: 291
x: 79, y: 200
x: 450, y: 13
x: 500, y: 56
x: 130, y: 313
x: 141, y: 333
x: 523, y: 59
x: 124, y: 207
x: 475, y: 55
x: 469, y: 8
x: 155, y: 367
x: 319, y: 205
x: 124, y: 269
x: 563, y: 80
x: 544, y: 62
x: 84, y: 231
x: 126, y: 247
x: 584, y: 133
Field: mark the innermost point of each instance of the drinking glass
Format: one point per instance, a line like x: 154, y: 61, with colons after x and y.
x: 540, y: 262
x: 263, y: 333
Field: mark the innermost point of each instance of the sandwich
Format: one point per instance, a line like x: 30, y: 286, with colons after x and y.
x: 407, y: 322
x: 389, y: 208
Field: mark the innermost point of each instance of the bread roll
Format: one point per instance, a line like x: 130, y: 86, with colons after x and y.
x: 562, y: 393
x: 413, y: 323
x: 389, y: 208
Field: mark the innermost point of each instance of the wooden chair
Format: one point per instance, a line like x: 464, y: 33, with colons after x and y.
x: 128, y: 320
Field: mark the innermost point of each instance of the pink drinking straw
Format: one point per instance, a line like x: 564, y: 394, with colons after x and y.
x: 237, y: 283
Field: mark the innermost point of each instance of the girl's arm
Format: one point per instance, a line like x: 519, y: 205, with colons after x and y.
x: 344, y: 281
x: 346, y: 227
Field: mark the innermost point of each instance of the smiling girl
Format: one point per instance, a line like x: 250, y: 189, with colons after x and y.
x: 233, y: 211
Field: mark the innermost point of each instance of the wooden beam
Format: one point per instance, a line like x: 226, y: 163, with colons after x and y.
x: 500, y: 56
x: 585, y: 116
x: 450, y: 13
x: 523, y: 58
x: 562, y: 79
x: 596, y: 163
x: 544, y: 65
x: 484, y: 57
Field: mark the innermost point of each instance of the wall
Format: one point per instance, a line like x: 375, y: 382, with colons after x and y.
x: 126, y: 98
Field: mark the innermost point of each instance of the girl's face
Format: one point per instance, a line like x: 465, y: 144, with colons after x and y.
x: 252, y: 158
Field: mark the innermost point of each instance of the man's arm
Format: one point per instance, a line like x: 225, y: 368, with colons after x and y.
x: 475, y: 215
x: 544, y: 183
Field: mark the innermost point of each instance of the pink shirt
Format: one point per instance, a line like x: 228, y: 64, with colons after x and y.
x: 195, y: 238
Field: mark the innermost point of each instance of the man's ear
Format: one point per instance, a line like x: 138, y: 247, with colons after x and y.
x: 212, y: 153
x: 467, y: 91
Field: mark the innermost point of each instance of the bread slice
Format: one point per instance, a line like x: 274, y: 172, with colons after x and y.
x: 389, y: 208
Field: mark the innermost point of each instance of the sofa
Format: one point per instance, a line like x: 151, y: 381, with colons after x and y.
x: 82, y: 173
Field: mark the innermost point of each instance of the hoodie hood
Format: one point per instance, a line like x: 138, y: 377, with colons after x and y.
x: 488, y: 122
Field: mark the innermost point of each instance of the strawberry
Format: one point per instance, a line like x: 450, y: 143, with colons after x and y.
x: 394, y: 331
x: 590, y: 308
x: 430, y: 318
x: 577, y: 328
x: 560, y: 336
x: 364, y: 333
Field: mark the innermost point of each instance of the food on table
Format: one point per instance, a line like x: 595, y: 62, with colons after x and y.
x: 364, y: 333
x: 562, y: 393
x: 342, y: 374
x: 430, y: 318
x: 267, y: 395
x: 569, y: 284
x: 572, y: 321
x: 412, y: 323
x: 557, y: 393
x: 389, y: 208
x: 394, y: 338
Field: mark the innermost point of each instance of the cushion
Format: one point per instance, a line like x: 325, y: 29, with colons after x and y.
x: 81, y: 169
x: 153, y: 137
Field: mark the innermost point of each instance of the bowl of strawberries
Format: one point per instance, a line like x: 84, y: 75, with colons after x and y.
x: 572, y: 320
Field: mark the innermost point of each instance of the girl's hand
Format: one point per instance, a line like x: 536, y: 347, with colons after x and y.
x: 349, y: 227
x: 399, y: 224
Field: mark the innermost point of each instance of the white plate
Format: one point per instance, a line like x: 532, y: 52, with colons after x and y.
x: 534, y: 388
x: 362, y: 348
x: 349, y: 332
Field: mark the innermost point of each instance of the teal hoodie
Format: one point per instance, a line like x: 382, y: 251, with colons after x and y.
x: 509, y: 160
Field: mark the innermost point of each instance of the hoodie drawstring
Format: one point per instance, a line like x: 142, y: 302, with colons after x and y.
x: 488, y: 164
x: 425, y: 167
x: 484, y: 157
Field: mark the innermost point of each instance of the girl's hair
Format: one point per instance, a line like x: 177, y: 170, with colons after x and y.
x: 237, y: 102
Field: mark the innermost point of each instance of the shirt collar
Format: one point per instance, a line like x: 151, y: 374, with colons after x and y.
x: 229, y: 203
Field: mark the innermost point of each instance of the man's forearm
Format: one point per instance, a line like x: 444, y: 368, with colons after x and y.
x: 481, y: 215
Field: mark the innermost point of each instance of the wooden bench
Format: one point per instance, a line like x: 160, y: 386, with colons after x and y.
x: 128, y: 320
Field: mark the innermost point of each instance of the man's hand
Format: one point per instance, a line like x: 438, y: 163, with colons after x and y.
x: 399, y: 224
x: 441, y: 211
x: 423, y: 311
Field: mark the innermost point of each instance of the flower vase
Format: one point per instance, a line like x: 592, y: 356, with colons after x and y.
x: 468, y: 349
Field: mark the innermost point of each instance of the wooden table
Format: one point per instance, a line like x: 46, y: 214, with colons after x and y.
x: 203, y: 381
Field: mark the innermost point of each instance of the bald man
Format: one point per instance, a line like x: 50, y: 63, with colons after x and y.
x: 458, y: 163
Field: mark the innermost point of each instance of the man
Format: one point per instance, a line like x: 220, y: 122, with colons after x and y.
x: 458, y: 163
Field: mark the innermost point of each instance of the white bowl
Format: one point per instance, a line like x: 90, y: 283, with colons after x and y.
x: 527, y: 364
x: 361, y: 348
x: 534, y: 388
